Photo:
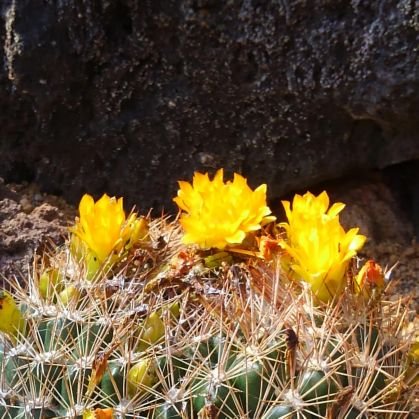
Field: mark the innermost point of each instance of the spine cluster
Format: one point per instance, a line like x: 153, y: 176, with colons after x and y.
x: 158, y: 329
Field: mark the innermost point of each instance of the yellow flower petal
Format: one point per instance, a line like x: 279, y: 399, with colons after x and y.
x: 335, y: 209
x: 218, y: 213
x: 102, y: 228
x: 319, y: 247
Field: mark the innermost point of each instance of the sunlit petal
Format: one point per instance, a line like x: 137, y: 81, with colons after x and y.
x: 217, y: 213
x: 103, y: 228
x: 319, y: 247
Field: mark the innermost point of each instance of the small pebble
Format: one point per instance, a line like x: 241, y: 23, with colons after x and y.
x: 26, y: 205
x: 409, y: 251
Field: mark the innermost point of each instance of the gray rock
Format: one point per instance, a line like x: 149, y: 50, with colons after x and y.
x: 129, y: 96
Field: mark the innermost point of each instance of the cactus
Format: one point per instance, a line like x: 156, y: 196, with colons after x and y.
x: 169, y: 331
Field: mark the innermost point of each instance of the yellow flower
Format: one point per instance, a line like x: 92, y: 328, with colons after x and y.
x: 219, y: 214
x: 318, y: 246
x: 12, y: 321
x: 413, y: 355
x: 412, y: 372
x: 103, y: 227
x: 141, y: 377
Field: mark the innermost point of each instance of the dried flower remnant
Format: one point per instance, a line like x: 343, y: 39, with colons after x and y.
x: 370, y: 279
x: 318, y: 248
x: 98, y: 413
x: 217, y: 213
x: 268, y: 247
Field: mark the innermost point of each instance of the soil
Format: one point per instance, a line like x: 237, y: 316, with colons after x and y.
x: 30, y: 220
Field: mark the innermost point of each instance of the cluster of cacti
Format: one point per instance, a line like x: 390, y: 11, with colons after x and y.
x: 144, y: 326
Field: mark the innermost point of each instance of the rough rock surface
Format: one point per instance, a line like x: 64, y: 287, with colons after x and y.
x: 29, y: 220
x: 127, y: 97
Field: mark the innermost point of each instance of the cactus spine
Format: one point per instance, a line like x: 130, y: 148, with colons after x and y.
x: 168, y: 331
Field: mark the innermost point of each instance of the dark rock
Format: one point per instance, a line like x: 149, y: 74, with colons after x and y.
x: 129, y: 96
